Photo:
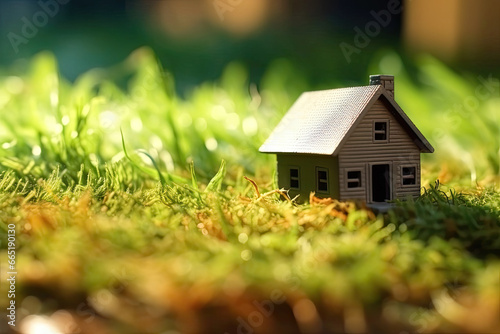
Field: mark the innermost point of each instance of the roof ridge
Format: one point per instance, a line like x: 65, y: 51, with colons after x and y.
x: 350, y: 87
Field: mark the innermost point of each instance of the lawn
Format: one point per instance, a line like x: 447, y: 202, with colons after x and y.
x: 138, y: 210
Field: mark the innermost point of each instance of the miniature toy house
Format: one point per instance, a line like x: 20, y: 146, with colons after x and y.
x: 349, y: 143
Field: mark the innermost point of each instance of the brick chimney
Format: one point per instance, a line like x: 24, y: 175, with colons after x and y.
x: 386, y: 81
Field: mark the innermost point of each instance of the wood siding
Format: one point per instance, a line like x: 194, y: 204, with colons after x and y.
x: 360, y: 152
x: 307, y: 165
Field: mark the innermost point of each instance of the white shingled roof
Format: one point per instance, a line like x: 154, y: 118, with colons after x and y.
x: 318, y: 122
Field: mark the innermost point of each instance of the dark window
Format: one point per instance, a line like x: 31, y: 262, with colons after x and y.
x: 409, y: 175
x: 380, y: 131
x: 322, y: 179
x: 354, y: 179
x: 294, y: 178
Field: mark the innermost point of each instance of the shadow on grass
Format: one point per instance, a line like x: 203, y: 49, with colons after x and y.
x: 472, y: 218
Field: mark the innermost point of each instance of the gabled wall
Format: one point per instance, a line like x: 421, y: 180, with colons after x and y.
x: 307, y: 164
x: 360, y: 150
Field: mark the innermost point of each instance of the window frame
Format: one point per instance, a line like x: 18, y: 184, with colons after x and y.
x: 375, y: 132
x: 361, y: 183
x: 325, y: 181
x: 290, y: 177
x: 408, y: 177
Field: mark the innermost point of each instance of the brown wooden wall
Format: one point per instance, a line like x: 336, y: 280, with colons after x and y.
x: 360, y: 150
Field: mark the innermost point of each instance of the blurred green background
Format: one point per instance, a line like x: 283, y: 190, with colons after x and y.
x: 243, y: 63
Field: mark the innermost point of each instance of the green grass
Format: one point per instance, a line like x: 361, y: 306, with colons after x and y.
x: 133, y: 215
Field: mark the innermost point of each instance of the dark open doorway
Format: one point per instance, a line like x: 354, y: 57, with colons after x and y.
x: 381, y: 183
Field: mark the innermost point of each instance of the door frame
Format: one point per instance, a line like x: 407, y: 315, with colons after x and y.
x: 370, y: 183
